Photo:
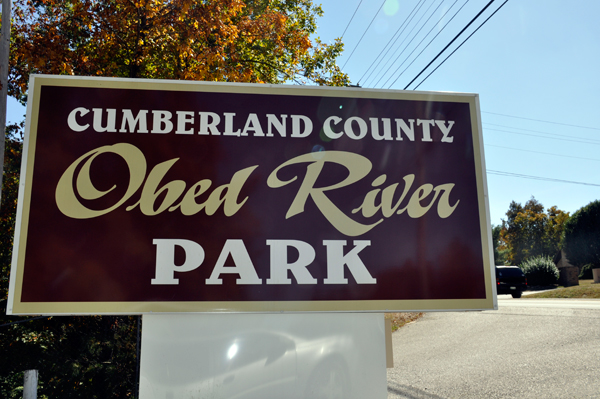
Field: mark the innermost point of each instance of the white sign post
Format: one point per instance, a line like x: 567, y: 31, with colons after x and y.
x: 298, y: 356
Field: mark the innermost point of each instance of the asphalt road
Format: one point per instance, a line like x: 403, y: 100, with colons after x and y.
x: 528, y: 348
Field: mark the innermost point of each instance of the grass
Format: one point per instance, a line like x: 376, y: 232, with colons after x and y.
x: 400, y: 319
x: 586, y: 289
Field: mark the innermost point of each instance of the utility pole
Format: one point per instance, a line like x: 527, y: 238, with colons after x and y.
x: 30, y: 384
x: 4, y: 51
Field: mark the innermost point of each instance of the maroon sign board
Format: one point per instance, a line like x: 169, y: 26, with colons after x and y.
x: 165, y: 196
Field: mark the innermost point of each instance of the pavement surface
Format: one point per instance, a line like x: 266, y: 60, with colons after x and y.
x: 528, y: 348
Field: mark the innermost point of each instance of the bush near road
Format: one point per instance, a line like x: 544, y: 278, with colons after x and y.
x: 540, y: 271
x: 586, y: 289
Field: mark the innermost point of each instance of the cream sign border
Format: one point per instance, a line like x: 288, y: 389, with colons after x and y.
x: 15, y: 306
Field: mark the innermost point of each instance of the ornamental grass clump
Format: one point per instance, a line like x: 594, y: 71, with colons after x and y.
x: 540, y: 271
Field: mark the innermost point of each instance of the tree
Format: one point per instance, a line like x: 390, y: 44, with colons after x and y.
x: 78, y: 357
x: 262, y: 41
x: 582, y: 236
x: 8, y: 208
x: 499, y: 255
x: 528, y: 231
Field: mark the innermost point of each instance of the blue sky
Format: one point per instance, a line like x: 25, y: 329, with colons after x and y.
x: 533, y: 59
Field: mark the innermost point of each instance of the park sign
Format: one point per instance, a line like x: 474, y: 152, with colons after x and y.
x: 142, y: 196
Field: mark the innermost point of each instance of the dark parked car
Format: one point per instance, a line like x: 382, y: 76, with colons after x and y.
x: 510, y: 280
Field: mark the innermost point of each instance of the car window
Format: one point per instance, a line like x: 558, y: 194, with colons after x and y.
x: 510, y: 272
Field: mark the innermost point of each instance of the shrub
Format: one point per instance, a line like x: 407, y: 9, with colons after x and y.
x: 540, y: 271
x: 586, y: 272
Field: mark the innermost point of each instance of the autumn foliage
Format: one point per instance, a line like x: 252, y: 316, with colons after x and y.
x: 8, y: 208
x: 261, y: 41
x: 258, y: 41
x: 528, y: 231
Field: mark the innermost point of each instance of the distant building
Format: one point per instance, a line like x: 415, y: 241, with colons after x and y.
x: 569, y: 274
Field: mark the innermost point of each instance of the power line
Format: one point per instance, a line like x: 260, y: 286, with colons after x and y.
x: 24, y: 321
x: 415, y: 10
x: 509, y: 174
x: 539, y: 120
x: 449, y: 44
x: 437, y: 34
x: 539, y: 131
x: 545, y: 137
x: 460, y: 45
x: 412, y: 39
x: 357, y: 7
x: 404, y: 40
x: 364, y: 33
x: 425, y: 37
x: 543, y: 153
